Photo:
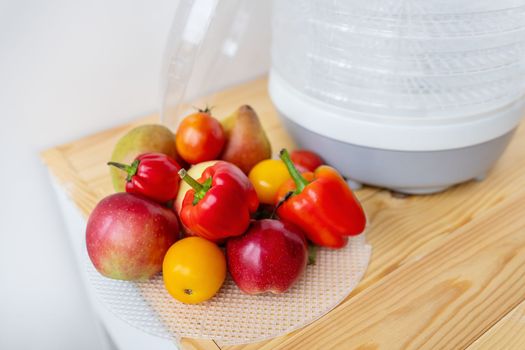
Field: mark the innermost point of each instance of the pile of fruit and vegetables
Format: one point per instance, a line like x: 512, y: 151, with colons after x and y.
x: 209, y: 200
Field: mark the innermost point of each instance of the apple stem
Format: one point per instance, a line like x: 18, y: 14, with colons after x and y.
x: 300, y: 181
x: 312, y: 253
x: 200, y: 189
x: 130, y: 169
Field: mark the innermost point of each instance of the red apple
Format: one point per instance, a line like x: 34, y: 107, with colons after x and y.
x: 127, y: 236
x: 270, y: 257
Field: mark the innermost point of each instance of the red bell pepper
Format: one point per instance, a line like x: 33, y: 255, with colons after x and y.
x: 220, y: 203
x: 322, y: 205
x: 153, y: 175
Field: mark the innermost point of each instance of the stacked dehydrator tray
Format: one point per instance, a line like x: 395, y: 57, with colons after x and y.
x: 414, y: 96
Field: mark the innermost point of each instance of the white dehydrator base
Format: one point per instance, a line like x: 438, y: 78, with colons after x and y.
x: 412, y: 172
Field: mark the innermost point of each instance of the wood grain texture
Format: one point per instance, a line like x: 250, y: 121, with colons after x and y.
x: 404, y: 230
x: 508, y: 334
x: 198, y: 344
x: 445, y: 299
x: 445, y: 268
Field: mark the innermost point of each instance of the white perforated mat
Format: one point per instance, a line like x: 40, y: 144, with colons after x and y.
x: 233, y: 317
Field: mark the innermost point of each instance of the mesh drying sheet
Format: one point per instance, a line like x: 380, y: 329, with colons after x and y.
x: 232, y: 317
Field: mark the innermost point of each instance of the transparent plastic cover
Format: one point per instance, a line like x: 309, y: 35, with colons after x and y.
x: 205, y: 38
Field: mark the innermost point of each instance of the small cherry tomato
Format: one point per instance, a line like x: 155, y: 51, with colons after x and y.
x: 200, y: 137
x: 266, y: 177
x: 306, y: 159
x: 194, y: 270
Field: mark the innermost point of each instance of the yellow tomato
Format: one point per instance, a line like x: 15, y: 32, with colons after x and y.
x: 267, y: 176
x: 194, y: 270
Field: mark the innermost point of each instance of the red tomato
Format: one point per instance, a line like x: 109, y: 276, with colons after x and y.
x: 306, y: 159
x: 200, y: 138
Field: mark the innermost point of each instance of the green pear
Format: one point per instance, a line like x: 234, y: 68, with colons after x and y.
x: 246, y: 141
x: 139, y: 140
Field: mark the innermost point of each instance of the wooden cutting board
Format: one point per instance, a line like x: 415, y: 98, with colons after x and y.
x: 447, y: 270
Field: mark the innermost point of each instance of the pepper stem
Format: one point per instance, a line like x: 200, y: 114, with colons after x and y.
x: 300, y: 181
x: 281, y: 202
x: 130, y: 169
x: 200, y: 189
x: 190, y: 180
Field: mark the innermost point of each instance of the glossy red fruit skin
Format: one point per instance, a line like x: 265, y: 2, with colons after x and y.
x: 156, y: 177
x: 199, y: 138
x: 306, y: 159
x: 226, y: 206
x: 127, y: 236
x: 270, y: 257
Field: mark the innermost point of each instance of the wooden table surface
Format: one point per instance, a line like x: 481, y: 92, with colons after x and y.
x: 447, y: 270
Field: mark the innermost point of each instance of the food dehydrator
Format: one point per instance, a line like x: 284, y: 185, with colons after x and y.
x: 414, y: 96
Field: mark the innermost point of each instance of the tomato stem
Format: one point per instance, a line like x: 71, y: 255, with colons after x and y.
x: 206, y: 109
x: 300, y: 181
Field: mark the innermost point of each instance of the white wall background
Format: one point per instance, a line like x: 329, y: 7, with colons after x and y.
x: 67, y: 69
